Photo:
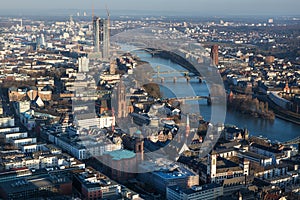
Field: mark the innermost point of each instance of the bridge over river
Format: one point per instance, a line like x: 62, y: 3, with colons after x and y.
x: 294, y: 141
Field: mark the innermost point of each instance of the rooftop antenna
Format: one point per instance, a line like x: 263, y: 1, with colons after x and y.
x: 108, y: 15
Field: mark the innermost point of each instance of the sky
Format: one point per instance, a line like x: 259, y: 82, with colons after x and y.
x: 212, y: 7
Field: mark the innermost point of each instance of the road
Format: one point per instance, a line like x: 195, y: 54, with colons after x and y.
x: 7, y: 108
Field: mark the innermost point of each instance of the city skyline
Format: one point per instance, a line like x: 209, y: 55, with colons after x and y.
x: 194, y: 7
x: 159, y: 99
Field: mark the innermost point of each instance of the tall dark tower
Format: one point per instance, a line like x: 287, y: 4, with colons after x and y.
x: 139, y: 147
x: 135, y: 142
x: 101, y: 37
x: 121, y: 100
x: 96, y: 29
x: 214, y: 55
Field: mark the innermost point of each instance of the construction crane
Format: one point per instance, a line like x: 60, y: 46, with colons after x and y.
x: 108, y: 16
x: 93, y: 12
x: 108, y: 23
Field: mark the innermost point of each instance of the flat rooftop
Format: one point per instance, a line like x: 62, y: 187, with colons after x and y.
x: 180, y: 172
x: 195, y: 189
x: 120, y: 154
x: 25, y: 184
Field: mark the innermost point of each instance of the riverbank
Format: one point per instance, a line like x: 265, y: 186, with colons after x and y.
x: 279, y: 112
x: 188, y: 66
x: 245, y: 104
x: 284, y: 114
x: 257, y: 126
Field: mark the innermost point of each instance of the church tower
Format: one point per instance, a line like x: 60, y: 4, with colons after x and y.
x: 121, y: 100
x: 214, y: 55
x: 246, y: 164
x: 187, y: 128
x: 212, y: 167
x: 286, y: 88
x: 139, y: 147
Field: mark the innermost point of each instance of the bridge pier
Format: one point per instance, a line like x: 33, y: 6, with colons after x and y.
x: 188, y: 79
x: 200, y: 80
x: 209, y: 100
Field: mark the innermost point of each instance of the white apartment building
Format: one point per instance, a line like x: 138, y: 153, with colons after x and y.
x: 23, y: 141
x: 8, y: 137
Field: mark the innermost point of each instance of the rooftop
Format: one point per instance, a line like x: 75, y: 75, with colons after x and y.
x: 179, y: 172
x: 22, y: 185
x: 195, y: 189
x: 254, y: 155
x: 120, y: 154
x: 266, y: 148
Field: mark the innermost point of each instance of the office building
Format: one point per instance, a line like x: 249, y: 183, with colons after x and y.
x: 83, y: 64
x: 36, y: 187
x: 101, y: 37
x: 91, y: 184
x: 208, y: 192
x: 168, y: 175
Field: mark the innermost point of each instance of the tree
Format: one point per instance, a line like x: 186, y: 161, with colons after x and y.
x: 152, y: 89
x: 256, y: 102
x: 262, y: 106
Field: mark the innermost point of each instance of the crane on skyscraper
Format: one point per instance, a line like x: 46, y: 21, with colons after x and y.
x: 93, y: 12
x: 108, y: 22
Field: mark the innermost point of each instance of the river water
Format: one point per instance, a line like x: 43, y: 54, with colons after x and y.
x: 277, y: 130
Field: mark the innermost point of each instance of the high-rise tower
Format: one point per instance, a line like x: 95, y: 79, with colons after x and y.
x: 101, y: 37
x: 214, y: 55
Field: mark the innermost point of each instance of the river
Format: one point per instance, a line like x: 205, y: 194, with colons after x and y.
x: 277, y: 130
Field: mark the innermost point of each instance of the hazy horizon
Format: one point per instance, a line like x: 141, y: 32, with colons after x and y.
x: 160, y: 7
